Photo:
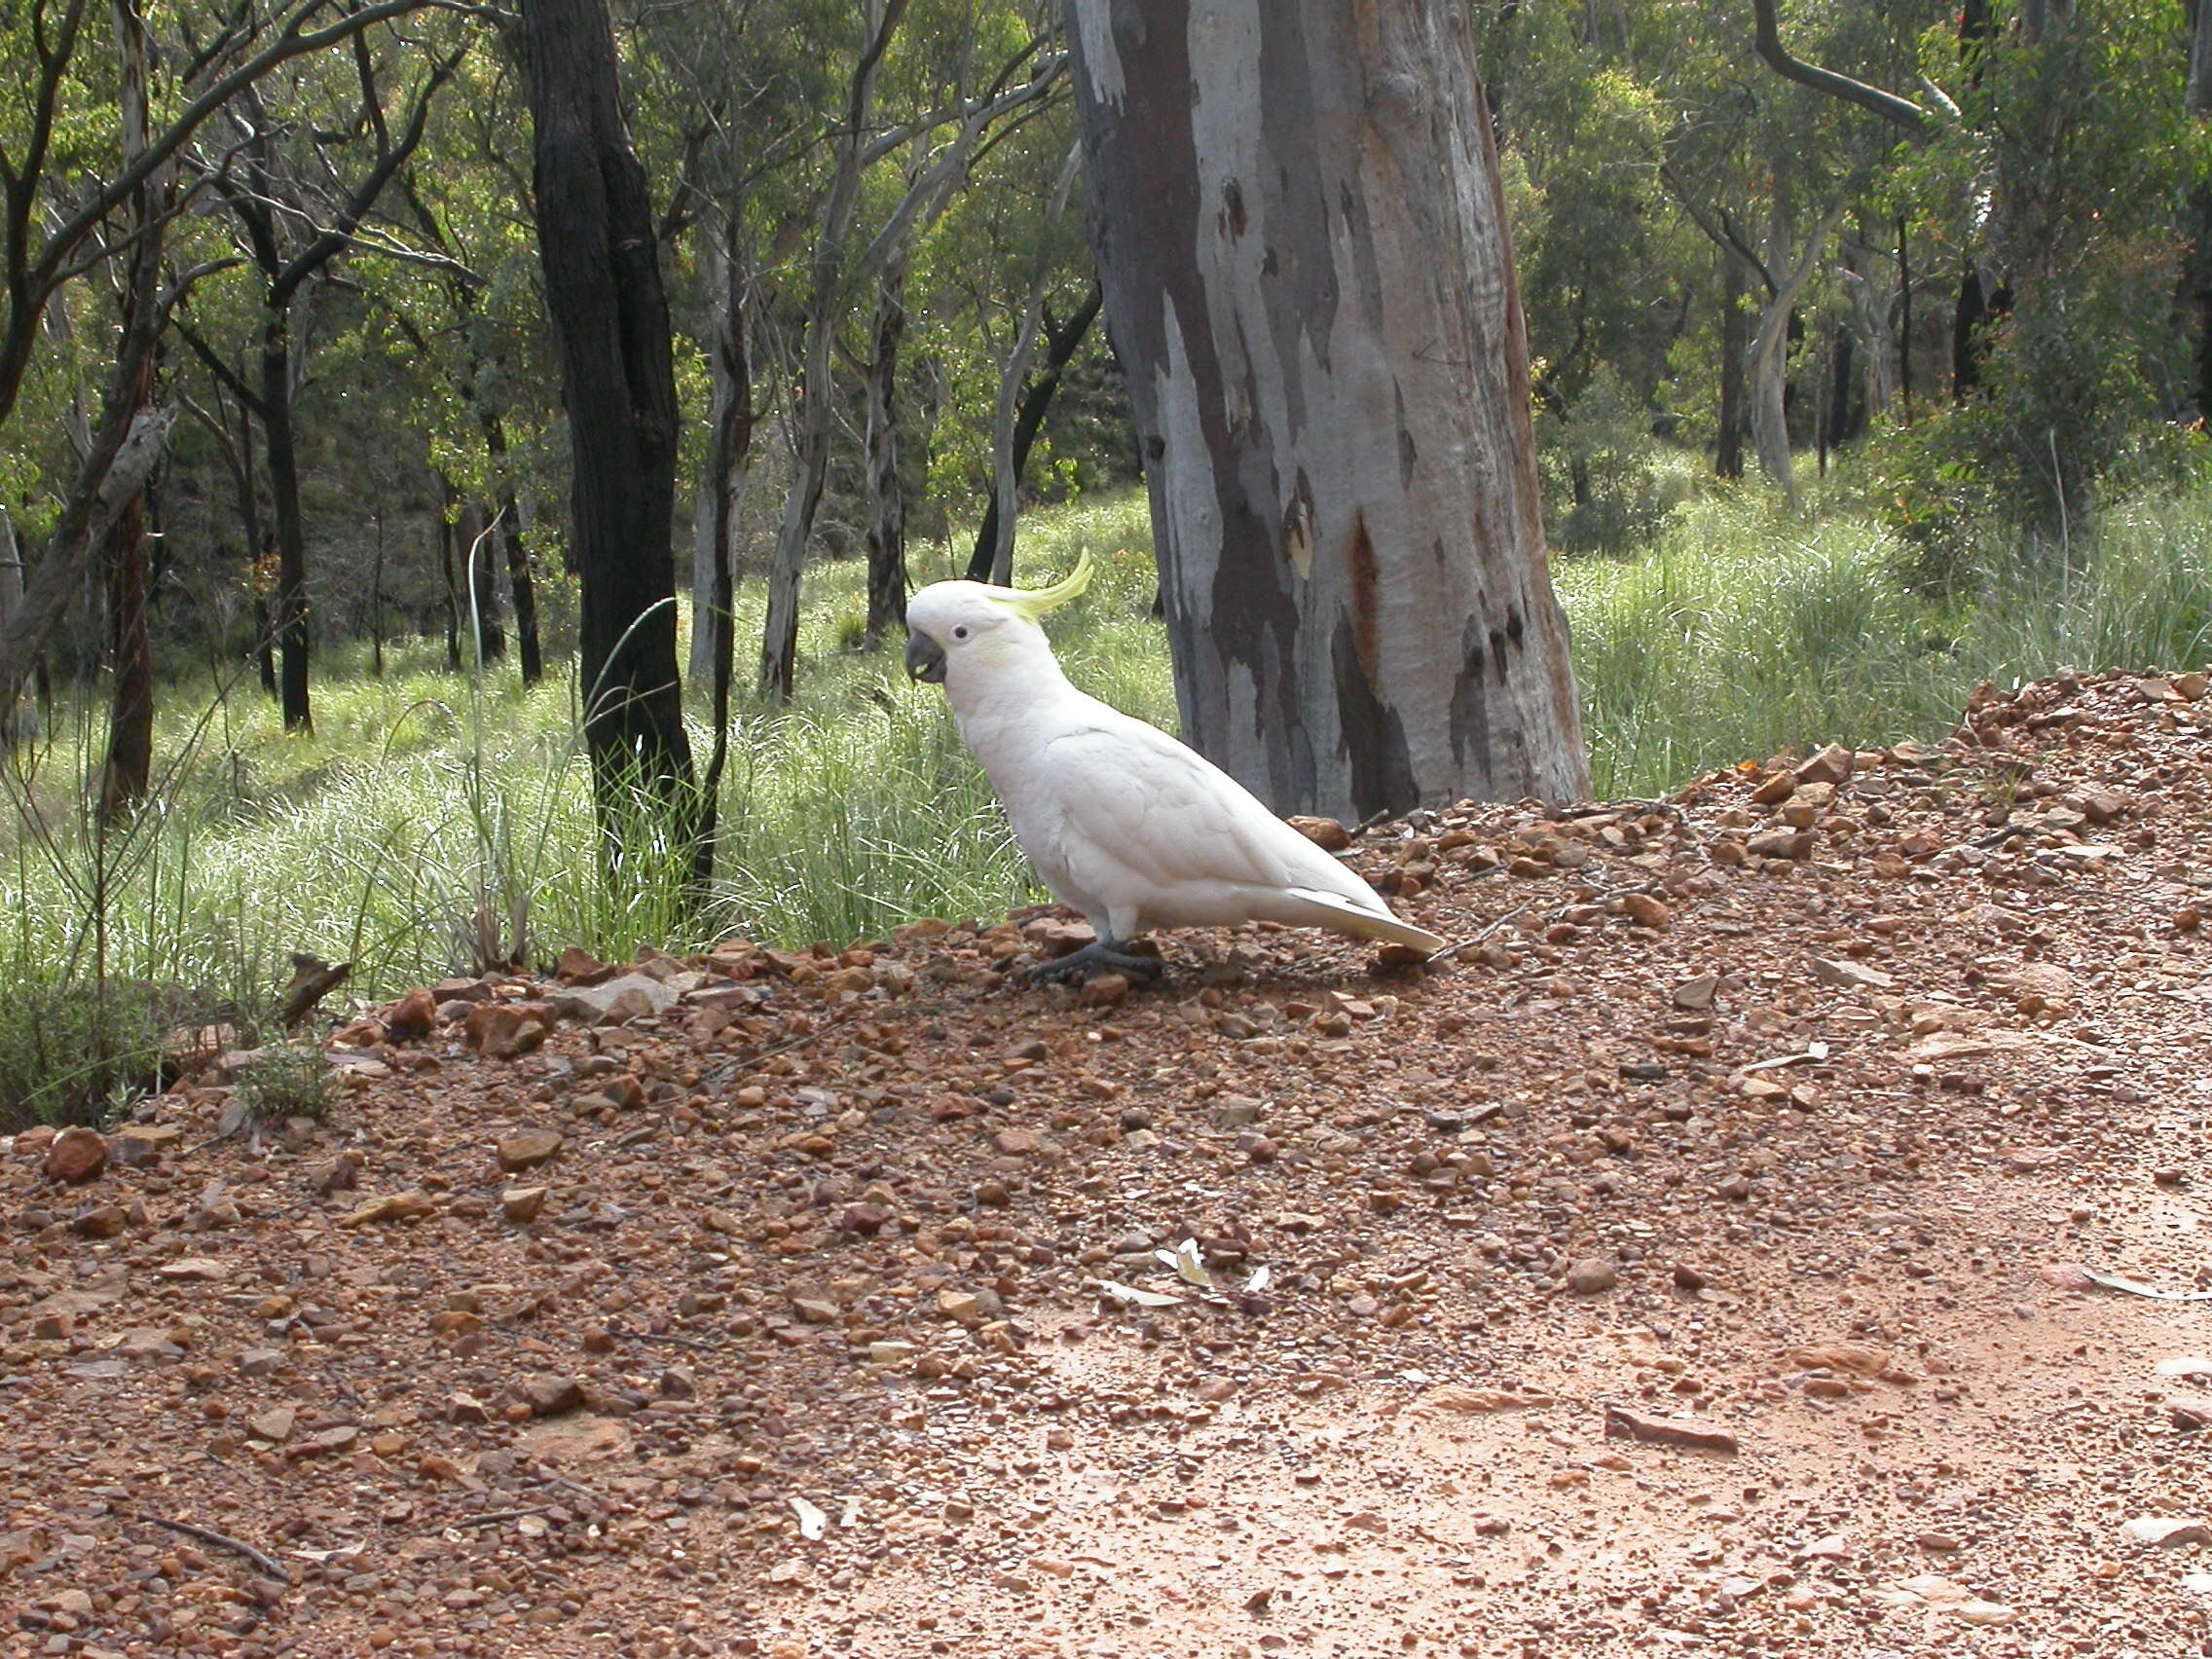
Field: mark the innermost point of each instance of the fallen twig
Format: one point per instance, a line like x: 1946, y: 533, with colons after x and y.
x: 1452, y: 950
x: 493, y: 1517
x: 268, y: 1564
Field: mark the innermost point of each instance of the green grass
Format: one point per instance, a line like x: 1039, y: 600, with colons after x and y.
x: 424, y: 820
x: 1743, y: 633
x: 427, y: 824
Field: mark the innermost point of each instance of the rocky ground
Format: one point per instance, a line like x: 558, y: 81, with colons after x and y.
x: 1698, y: 1262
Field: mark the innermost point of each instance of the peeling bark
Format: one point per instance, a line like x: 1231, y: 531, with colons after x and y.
x: 1301, y: 233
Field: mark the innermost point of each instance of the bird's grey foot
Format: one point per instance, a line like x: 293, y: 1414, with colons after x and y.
x: 1102, y: 956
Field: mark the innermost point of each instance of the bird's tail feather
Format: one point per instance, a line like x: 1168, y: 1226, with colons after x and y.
x: 1344, y: 916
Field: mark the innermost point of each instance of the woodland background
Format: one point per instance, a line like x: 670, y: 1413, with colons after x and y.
x: 1870, y: 350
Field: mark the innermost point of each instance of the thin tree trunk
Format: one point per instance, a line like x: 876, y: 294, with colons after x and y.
x: 610, y: 318
x: 516, y: 548
x: 887, y: 502
x: 129, y: 770
x: 1006, y: 472
x: 375, y: 604
x: 482, y: 543
x: 2197, y: 261
x: 1904, y: 322
x: 985, y: 563
x: 1300, y: 228
x: 1735, y: 345
x: 449, y: 507
x: 810, y: 425
x: 11, y: 601
x: 293, y: 632
x: 1770, y: 351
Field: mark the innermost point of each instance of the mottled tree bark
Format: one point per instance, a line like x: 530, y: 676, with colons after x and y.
x: 1302, y: 235
x: 610, y: 318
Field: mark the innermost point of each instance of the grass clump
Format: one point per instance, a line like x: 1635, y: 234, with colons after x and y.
x: 286, y: 1080
x: 71, y: 1055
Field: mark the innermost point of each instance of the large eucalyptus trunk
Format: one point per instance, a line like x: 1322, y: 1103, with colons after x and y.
x: 1770, y: 348
x: 1728, y: 452
x: 610, y: 316
x: 1301, y: 231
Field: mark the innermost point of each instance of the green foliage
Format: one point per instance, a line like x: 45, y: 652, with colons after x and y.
x: 76, y: 1052
x: 287, y: 1080
x: 1608, y: 484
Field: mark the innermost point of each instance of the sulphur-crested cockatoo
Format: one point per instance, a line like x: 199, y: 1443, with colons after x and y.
x: 1123, y: 823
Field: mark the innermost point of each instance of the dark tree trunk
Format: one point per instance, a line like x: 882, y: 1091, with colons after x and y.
x: 887, y: 501
x: 479, y: 543
x: 1300, y: 226
x: 128, y: 771
x: 1844, y: 410
x: 610, y: 318
x: 1735, y: 343
x: 293, y: 633
x: 1036, y: 403
x: 728, y: 455
x: 11, y: 600
x: 516, y: 548
x: 446, y: 573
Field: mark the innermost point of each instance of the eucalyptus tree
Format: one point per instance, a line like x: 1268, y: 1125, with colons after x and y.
x: 1300, y: 225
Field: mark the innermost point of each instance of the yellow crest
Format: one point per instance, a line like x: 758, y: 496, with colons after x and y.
x: 1035, y: 603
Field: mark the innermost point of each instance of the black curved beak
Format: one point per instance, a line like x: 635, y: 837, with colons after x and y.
x: 925, y: 659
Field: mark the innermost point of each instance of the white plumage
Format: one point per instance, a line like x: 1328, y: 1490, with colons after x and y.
x: 1123, y: 823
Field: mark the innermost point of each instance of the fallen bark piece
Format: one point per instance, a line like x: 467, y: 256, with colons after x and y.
x: 1622, y: 1423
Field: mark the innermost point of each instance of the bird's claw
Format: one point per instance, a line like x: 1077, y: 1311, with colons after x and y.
x: 1078, y: 965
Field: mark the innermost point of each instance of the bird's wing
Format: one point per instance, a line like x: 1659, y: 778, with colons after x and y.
x: 1131, y: 805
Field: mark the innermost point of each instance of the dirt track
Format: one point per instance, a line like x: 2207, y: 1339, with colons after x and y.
x: 1787, y: 1138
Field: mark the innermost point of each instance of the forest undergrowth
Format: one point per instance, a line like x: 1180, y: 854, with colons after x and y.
x: 437, y: 822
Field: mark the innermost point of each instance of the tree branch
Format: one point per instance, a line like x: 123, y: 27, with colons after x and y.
x: 1899, y: 112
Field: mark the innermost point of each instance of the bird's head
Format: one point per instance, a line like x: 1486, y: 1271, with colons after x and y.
x: 969, y: 627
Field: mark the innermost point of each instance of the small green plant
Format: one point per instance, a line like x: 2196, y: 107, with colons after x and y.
x: 287, y: 1080
x: 72, y: 1052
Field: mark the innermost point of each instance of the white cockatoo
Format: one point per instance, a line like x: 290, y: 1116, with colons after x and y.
x: 1125, y: 824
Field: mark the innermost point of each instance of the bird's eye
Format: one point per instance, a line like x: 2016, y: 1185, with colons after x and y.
x: 960, y: 632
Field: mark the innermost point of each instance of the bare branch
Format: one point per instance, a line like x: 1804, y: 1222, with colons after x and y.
x: 1899, y: 112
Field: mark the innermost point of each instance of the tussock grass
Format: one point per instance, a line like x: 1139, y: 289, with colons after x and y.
x: 433, y: 823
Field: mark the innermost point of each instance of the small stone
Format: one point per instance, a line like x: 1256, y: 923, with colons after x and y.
x: 413, y: 1018
x: 1592, y: 1274
x: 505, y: 1031
x: 891, y: 1352
x: 1103, y: 990
x: 77, y: 1155
x: 1687, y: 1278
x: 1794, y: 844
x: 552, y: 1396
x: 1849, y: 975
x: 1774, y: 791
x: 273, y: 1426
x: 526, y: 1149
x: 1647, y: 910
x: 1832, y: 765
x: 961, y: 1306
x: 261, y: 1362
x: 865, y: 1219
x: 1941, y: 1543
x: 816, y: 1312
x: 102, y: 1221
x: 193, y: 1270
x: 1695, y: 996
x: 1326, y: 833
x: 521, y: 1204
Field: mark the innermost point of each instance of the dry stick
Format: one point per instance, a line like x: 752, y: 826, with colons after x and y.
x: 1452, y: 950
x: 496, y: 1516
x: 268, y: 1564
